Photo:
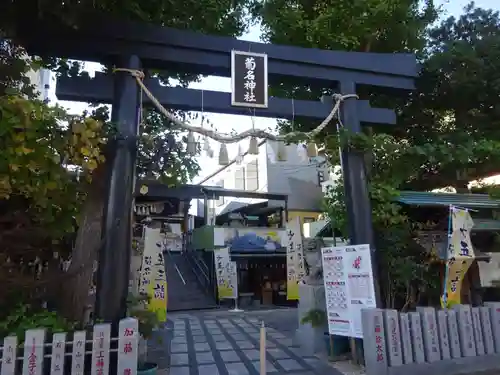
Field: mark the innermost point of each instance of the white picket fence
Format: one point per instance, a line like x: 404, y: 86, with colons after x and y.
x: 35, y: 350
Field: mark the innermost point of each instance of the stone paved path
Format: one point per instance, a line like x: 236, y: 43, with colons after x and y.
x: 229, y: 345
x: 223, y: 343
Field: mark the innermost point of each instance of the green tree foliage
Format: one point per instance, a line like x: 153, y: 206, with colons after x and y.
x: 363, y: 26
x: 407, y: 271
x: 162, y: 148
x: 224, y: 17
x: 39, y: 197
x: 162, y: 151
x: 158, y: 157
x: 454, y: 116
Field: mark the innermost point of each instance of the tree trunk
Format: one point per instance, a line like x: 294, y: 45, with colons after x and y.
x: 76, y: 299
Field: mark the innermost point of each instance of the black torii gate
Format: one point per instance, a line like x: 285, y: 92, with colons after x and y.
x: 147, y: 47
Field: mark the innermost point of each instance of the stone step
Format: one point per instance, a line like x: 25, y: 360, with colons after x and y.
x: 184, y: 293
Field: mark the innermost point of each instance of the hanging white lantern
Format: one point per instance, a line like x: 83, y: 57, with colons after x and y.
x: 223, y: 155
x: 191, y: 144
x: 253, y: 147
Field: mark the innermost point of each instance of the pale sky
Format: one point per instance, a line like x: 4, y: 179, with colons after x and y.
x: 240, y: 123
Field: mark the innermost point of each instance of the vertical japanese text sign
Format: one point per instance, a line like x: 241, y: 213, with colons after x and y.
x: 227, y: 277
x: 33, y: 352
x: 153, y: 281
x: 460, y: 256
x: 294, y: 258
x: 249, y: 79
x: 128, y: 345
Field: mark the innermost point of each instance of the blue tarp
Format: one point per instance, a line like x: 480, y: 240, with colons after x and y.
x: 253, y: 243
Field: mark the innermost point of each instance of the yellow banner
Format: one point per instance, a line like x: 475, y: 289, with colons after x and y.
x: 460, y: 256
x: 225, y: 291
x: 461, y: 220
x: 294, y: 259
x: 292, y: 290
x: 158, y: 302
x: 153, y: 280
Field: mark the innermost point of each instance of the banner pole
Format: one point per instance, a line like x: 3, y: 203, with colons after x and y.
x: 236, y: 308
x: 447, y: 269
x: 236, y: 289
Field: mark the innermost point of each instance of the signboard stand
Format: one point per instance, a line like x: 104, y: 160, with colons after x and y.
x: 236, y: 308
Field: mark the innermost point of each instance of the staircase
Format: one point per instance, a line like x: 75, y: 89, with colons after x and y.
x: 185, y: 291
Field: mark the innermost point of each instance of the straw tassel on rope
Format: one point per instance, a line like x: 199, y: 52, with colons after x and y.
x: 253, y: 147
x: 223, y: 155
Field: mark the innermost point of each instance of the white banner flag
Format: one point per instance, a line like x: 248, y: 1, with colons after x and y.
x: 227, y: 274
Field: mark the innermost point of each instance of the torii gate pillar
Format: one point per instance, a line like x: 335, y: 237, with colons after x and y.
x: 359, y: 211
x: 114, y: 257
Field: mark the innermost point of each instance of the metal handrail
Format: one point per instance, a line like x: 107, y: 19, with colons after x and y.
x: 205, y: 283
x: 202, y: 264
x: 198, y: 266
x: 175, y: 266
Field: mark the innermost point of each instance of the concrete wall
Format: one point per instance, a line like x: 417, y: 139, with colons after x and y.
x: 228, y: 178
x: 273, y: 177
x: 303, y: 215
x: 490, y: 271
x: 296, y: 177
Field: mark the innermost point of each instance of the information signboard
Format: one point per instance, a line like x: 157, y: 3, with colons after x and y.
x: 349, y: 287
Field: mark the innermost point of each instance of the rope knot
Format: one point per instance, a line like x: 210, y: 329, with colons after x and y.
x: 139, y: 74
x: 341, y: 98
